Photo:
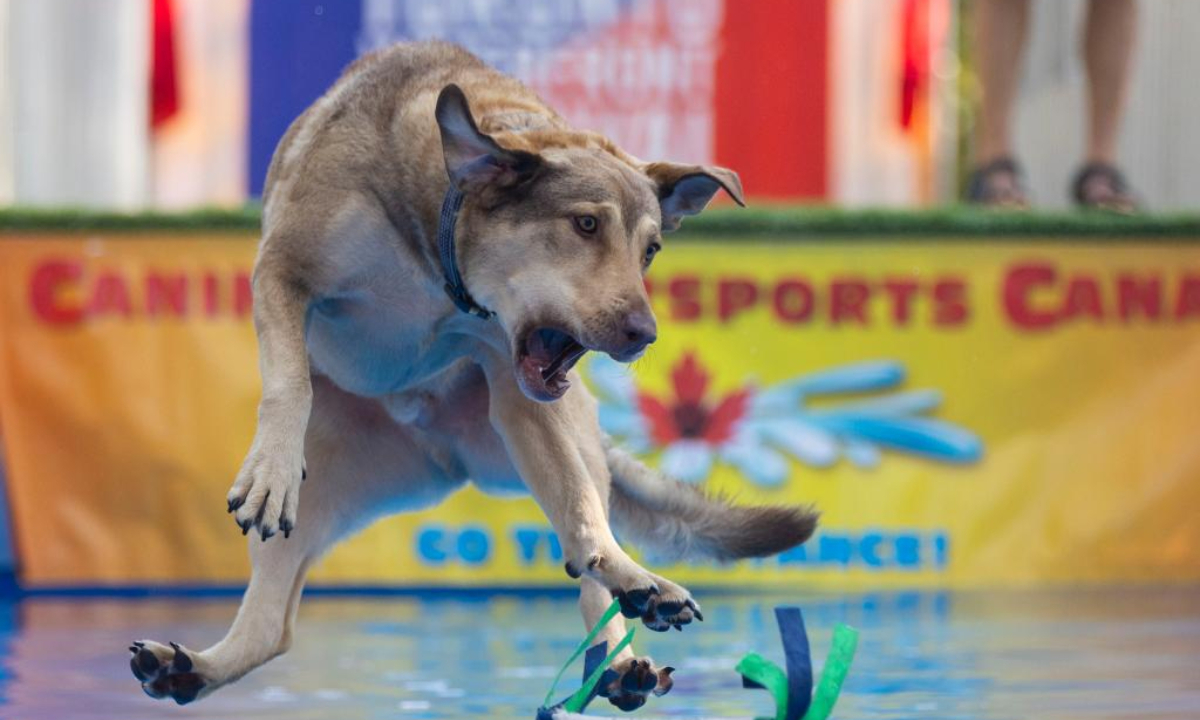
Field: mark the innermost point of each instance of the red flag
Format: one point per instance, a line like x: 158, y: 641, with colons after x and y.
x: 914, y: 59
x: 164, y: 76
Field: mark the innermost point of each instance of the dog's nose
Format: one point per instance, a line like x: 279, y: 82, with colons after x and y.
x: 639, y: 330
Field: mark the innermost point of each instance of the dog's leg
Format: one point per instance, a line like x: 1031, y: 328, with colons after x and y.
x: 266, y: 492
x: 558, y: 451
x: 261, y: 631
x: 637, y: 677
x: 263, y: 626
x: 361, y: 465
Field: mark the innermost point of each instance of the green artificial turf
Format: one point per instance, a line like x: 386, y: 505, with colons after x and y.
x: 19, y: 219
x: 800, y: 221
x: 774, y: 222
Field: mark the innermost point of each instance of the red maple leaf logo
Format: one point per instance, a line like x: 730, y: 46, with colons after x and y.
x: 688, y: 415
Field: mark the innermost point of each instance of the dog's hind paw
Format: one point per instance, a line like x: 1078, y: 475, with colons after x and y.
x: 634, y: 680
x: 167, y: 671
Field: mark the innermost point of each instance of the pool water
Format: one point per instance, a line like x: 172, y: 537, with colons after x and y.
x: 928, y: 656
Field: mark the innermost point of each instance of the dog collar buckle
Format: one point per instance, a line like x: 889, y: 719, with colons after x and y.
x: 464, y: 302
x: 454, y: 286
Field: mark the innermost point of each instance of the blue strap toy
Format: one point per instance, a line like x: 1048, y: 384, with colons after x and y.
x: 792, y: 688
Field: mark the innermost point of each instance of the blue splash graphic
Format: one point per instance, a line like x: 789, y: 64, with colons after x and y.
x: 803, y: 418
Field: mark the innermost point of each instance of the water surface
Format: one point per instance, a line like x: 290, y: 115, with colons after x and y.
x: 1079, y: 655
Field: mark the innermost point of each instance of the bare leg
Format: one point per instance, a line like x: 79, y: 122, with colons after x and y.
x: 1108, y: 54
x: 999, y: 33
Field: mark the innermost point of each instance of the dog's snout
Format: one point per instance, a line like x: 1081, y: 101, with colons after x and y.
x: 640, y: 329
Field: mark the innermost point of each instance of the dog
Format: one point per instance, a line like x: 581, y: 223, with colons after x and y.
x: 439, y: 248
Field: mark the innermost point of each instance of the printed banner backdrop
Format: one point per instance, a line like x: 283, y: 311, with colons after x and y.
x: 963, y: 413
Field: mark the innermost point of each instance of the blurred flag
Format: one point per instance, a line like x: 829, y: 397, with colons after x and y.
x: 164, y: 74
x: 741, y: 84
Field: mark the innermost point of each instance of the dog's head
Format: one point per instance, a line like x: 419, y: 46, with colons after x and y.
x: 559, y: 229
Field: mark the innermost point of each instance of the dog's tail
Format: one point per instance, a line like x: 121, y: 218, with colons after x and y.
x: 676, y: 521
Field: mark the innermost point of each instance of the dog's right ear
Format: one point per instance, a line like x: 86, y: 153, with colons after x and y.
x: 474, y: 160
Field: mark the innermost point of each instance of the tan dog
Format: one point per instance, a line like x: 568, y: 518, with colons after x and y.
x: 386, y: 397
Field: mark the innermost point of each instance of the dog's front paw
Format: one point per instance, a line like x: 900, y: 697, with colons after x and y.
x: 633, y: 680
x: 670, y: 606
x: 660, y: 603
x: 167, y: 671
x: 266, y: 494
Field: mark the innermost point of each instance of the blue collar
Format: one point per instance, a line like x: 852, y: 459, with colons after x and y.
x: 445, y: 236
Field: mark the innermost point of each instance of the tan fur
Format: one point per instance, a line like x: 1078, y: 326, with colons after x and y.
x: 387, y: 398
x: 674, y: 521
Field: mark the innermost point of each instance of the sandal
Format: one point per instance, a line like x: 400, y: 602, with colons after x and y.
x: 998, y: 184
x: 1100, y: 186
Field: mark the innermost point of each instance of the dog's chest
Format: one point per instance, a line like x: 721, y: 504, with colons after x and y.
x: 373, y: 345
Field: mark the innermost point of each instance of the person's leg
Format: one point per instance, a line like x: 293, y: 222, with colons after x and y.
x: 999, y: 31
x: 1108, y: 42
x: 1108, y: 55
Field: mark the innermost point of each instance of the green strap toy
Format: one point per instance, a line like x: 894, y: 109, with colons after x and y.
x: 594, y: 669
x: 792, y: 688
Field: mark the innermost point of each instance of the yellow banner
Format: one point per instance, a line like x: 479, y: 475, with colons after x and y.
x: 963, y: 413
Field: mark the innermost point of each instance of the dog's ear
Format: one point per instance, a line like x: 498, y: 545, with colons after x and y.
x: 474, y: 160
x: 686, y: 189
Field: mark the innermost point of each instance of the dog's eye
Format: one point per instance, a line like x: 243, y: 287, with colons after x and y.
x: 651, y: 250
x: 586, y: 224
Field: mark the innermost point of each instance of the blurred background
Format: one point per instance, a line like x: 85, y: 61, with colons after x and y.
x: 989, y: 390
x: 859, y: 337
x: 134, y: 104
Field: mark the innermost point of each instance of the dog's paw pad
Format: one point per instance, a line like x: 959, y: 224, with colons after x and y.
x: 166, y: 671
x: 634, y: 681
x: 672, y: 608
x: 636, y: 602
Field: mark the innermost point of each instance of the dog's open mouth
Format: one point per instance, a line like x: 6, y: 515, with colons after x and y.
x: 544, y: 357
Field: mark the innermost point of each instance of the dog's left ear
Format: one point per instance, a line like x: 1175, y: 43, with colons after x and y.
x: 473, y: 159
x: 686, y: 189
